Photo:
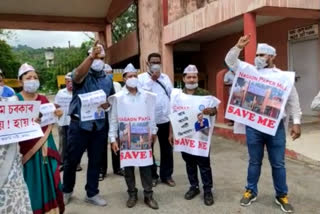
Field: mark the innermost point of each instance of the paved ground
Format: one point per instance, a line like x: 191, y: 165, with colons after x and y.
x: 229, y: 162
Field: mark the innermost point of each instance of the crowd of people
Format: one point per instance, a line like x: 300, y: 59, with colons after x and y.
x: 30, y: 171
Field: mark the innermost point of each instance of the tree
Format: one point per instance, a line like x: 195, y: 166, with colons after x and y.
x: 8, y: 62
x: 124, y: 24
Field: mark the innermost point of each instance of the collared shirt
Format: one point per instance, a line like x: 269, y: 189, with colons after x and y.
x: 293, y: 105
x: 93, y: 81
x: 64, y: 120
x: 162, y: 100
x: 315, y: 105
x: 139, y: 97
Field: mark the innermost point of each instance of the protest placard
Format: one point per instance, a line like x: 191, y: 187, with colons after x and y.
x: 48, y: 116
x: 63, y: 100
x: 192, y: 129
x: 136, y: 120
x: 90, y: 105
x: 17, y: 121
x: 258, y: 98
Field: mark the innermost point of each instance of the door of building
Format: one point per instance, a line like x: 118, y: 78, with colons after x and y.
x: 304, y: 58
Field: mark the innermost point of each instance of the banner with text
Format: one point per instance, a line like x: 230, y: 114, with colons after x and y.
x: 136, y: 120
x: 90, y: 105
x: 192, y: 129
x: 17, y: 121
x: 258, y: 98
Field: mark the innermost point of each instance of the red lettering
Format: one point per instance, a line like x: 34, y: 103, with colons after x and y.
x: 251, y: 116
x: 127, y: 155
x: 262, y: 121
x: 202, y: 145
x: 192, y: 144
x: 271, y: 123
x: 237, y: 112
x: 143, y: 155
x: 135, y: 154
x: 230, y: 109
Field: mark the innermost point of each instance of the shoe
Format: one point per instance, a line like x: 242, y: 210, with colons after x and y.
x: 247, y: 198
x: 208, y: 199
x: 61, y: 168
x: 155, y: 182
x: 151, y: 203
x: 67, y: 198
x: 96, y: 200
x: 102, y: 176
x: 132, y: 201
x: 120, y: 172
x: 170, y: 182
x: 79, y: 168
x: 192, y: 192
x: 283, y: 202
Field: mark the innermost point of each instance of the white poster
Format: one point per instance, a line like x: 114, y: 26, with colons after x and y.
x: 90, y: 105
x: 48, y: 116
x: 136, y: 120
x: 192, y: 129
x: 17, y: 121
x: 63, y: 100
x: 258, y: 98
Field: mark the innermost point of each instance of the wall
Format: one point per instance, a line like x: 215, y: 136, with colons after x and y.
x: 275, y: 34
x: 180, y: 8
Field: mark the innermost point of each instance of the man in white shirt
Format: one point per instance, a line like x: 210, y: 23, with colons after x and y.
x: 159, y: 83
x: 256, y: 140
x: 315, y: 105
x: 62, y: 100
x: 142, y: 104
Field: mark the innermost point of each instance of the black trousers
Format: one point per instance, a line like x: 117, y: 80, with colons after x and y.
x: 80, y: 140
x: 166, y: 154
x: 63, y: 136
x: 115, y: 158
x: 192, y: 164
x: 146, y: 180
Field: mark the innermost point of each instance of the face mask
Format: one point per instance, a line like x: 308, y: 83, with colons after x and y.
x: 192, y: 86
x: 155, y: 68
x: 69, y: 86
x: 260, y: 62
x: 97, y: 65
x: 31, y: 86
x: 132, y: 82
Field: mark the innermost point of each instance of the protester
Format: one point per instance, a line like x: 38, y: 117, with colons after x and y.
x: 87, y: 135
x: 115, y: 157
x: 64, y: 95
x: 193, y: 162
x: 315, y: 105
x: 256, y: 140
x: 154, y: 80
x: 41, y: 159
x: 5, y: 91
x: 14, y: 194
x: 136, y: 99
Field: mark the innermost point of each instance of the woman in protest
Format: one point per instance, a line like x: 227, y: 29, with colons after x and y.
x: 14, y: 195
x: 40, y: 159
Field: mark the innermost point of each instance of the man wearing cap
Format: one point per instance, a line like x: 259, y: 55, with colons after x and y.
x: 159, y: 83
x: 115, y: 157
x: 62, y: 100
x: 139, y: 100
x: 256, y: 140
x: 86, y: 135
x: 5, y: 91
x: 193, y: 162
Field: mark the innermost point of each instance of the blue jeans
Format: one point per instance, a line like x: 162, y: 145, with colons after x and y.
x: 276, y: 146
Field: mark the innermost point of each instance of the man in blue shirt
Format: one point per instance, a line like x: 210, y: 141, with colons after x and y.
x: 87, y: 135
x: 5, y: 91
x: 202, y: 123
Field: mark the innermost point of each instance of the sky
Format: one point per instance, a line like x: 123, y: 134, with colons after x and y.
x: 38, y: 39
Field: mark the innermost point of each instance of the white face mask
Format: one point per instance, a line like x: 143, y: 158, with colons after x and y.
x: 155, y: 68
x: 31, y: 86
x: 97, y: 65
x: 132, y: 82
x: 260, y: 62
x: 191, y: 86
